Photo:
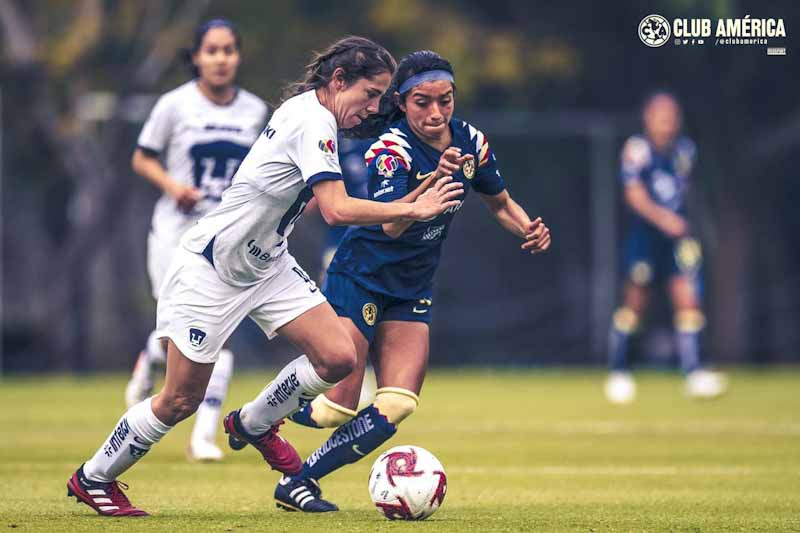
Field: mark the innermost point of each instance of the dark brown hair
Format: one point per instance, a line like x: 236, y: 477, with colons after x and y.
x: 358, y: 57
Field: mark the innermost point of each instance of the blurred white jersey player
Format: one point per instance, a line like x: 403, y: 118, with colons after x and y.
x: 191, y: 146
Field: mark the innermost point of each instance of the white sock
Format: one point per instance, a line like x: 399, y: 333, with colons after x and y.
x: 208, y: 413
x: 295, y: 385
x: 155, y: 350
x: 134, y: 434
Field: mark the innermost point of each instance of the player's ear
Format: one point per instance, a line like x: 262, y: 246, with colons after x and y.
x: 337, y: 78
x: 399, y: 102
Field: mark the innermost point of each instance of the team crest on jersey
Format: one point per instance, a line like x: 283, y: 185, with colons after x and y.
x: 387, y: 165
x: 327, y: 146
x: 196, y: 337
x: 370, y: 313
x: 469, y: 169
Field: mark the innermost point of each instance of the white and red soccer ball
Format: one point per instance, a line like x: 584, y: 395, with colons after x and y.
x: 407, y: 483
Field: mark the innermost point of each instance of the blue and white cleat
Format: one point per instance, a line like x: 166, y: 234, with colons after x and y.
x: 304, y: 495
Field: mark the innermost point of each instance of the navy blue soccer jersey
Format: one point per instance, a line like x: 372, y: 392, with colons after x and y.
x: 398, y: 162
x: 665, y: 175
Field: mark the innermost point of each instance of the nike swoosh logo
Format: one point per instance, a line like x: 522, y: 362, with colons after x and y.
x: 419, y: 311
x: 421, y: 176
x: 355, y: 449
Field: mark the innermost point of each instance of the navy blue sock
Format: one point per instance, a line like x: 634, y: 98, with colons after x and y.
x: 622, y: 325
x: 349, y: 443
x: 303, y: 417
x: 688, y: 345
x: 689, y: 325
x: 618, y: 350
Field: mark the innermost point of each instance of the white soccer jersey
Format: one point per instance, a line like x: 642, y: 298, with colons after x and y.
x: 202, y: 144
x: 269, y: 192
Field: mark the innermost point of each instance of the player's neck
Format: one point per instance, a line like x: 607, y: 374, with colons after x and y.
x: 223, y: 95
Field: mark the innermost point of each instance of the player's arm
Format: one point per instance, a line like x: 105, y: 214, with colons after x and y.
x: 153, y: 139
x: 339, y: 209
x: 513, y: 217
x: 450, y: 162
x: 149, y: 167
x: 668, y: 222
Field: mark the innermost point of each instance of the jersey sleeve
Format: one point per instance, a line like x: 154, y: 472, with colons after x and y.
x: 488, y: 179
x: 634, y: 158
x: 388, y: 162
x: 316, y: 152
x: 158, y: 129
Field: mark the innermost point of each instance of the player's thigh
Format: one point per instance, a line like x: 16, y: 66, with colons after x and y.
x: 400, y: 354
x: 291, y: 305
x: 318, y: 333
x: 683, y: 292
x: 347, y: 392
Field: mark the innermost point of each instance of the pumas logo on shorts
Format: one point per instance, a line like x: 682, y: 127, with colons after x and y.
x: 196, y: 337
x: 370, y: 313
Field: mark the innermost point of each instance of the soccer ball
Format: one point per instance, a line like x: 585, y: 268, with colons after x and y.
x: 407, y: 483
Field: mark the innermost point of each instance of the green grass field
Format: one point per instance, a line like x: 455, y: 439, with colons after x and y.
x: 524, y: 451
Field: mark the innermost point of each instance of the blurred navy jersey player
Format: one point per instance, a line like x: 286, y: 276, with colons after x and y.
x: 655, y: 171
x: 380, y: 281
x: 190, y: 147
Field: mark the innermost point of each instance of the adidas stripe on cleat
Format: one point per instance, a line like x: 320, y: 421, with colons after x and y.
x: 105, y: 498
x: 275, y: 450
x: 304, y: 495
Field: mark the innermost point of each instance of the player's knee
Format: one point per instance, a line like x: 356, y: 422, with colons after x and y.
x: 626, y: 320
x: 179, y: 406
x: 328, y: 414
x: 689, y: 320
x: 337, y: 362
x: 395, y: 403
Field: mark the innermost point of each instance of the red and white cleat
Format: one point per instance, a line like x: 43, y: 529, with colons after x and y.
x: 276, y: 450
x: 105, y: 498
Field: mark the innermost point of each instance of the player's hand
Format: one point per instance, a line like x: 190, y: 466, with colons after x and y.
x: 443, y: 195
x: 537, y: 237
x: 674, y: 226
x: 185, y: 196
x: 451, y: 162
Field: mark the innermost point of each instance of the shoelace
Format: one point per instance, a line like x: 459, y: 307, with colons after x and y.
x: 117, y: 496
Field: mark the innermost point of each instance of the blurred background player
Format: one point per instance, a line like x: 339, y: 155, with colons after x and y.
x: 190, y: 147
x: 655, y: 170
x: 380, y: 282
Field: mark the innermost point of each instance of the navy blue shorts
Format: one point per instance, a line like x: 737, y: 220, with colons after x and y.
x: 367, y: 308
x: 651, y: 256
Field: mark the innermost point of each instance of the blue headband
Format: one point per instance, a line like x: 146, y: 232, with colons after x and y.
x: 422, y: 77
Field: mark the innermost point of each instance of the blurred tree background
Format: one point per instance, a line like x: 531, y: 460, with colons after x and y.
x: 556, y: 86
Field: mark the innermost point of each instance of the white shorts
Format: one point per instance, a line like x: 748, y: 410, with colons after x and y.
x: 198, y: 311
x: 160, y: 251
